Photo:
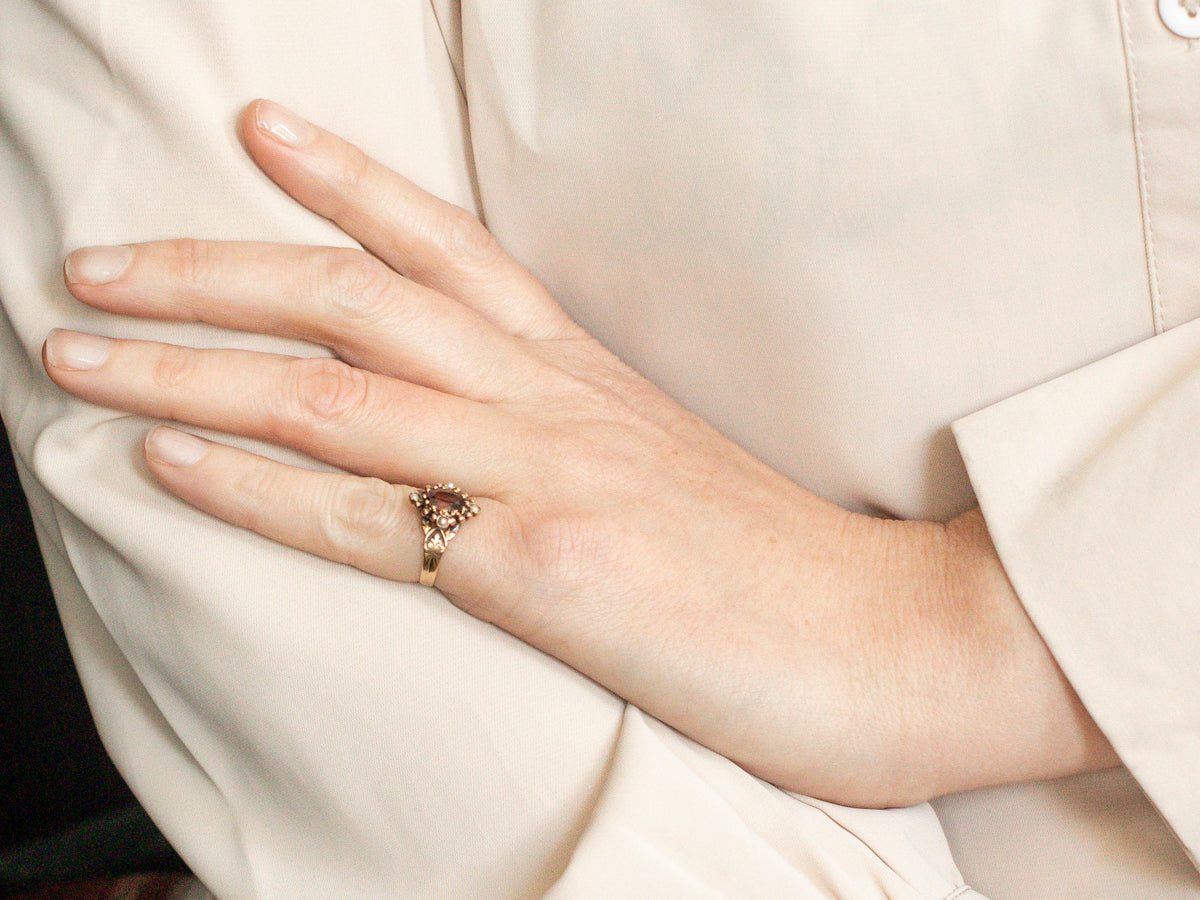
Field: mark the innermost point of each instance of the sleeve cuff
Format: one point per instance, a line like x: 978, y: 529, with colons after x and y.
x: 1090, y: 485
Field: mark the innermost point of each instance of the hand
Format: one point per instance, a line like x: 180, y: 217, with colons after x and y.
x: 855, y: 659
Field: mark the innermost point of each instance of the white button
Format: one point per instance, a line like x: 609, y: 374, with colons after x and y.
x: 1181, y: 16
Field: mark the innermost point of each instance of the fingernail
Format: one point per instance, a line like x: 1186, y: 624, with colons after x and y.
x: 282, y: 124
x: 75, y: 351
x: 98, y: 265
x: 175, y: 448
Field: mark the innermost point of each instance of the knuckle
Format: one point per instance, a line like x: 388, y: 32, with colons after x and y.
x: 353, y: 169
x: 559, y: 541
x: 349, y: 177
x: 174, y: 367
x: 356, y: 284
x: 564, y: 548
x: 255, y: 487
x: 359, y: 518
x: 464, y: 237
x: 594, y: 463
x: 192, y: 263
x: 327, y: 390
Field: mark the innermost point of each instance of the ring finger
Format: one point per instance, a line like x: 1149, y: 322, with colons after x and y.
x: 362, y: 522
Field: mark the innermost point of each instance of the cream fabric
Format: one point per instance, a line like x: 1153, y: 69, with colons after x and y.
x: 831, y: 229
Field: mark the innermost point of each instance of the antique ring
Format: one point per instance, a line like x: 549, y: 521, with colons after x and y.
x: 443, y: 508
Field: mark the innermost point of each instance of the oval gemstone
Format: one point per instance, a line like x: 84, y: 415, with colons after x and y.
x: 446, y: 500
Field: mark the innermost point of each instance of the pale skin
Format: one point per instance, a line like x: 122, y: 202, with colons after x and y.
x: 865, y: 661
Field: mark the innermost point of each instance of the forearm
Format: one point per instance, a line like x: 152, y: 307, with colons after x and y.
x: 909, y: 635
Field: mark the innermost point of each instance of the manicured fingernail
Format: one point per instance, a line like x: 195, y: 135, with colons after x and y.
x: 98, y: 265
x: 175, y: 448
x: 282, y: 124
x: 75, y: 351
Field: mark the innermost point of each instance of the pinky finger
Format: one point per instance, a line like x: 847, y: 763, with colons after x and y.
x: 361, y: 522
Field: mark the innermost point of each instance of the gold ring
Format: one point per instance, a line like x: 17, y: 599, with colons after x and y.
x: 443, y: 508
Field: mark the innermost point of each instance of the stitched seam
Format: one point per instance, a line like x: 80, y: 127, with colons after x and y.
x: 1156, y: 305
x: 960, y: 891
x: 458, y: 76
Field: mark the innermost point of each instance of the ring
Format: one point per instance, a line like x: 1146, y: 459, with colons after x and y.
x: 443, y: 508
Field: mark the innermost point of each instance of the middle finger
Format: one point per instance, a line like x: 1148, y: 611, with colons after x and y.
x: 360, y: 421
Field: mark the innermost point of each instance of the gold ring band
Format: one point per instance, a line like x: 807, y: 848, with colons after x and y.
x: 443, y: 508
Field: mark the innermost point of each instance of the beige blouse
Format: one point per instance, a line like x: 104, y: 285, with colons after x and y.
x: 915, y: 256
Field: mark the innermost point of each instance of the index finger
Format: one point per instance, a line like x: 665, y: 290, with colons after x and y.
x: 432, y: 242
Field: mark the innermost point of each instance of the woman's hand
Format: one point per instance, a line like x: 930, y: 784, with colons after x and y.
x: 859, y: 660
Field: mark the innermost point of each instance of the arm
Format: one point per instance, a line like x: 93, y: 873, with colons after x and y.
x: 237, y: 684
x: 866, y: 661
x: 1089, y: 486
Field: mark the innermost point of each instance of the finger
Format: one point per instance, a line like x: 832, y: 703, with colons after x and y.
x: 362, y: 522
x: 345, y: 299
x: 357, y: 420
x: 431, y: 241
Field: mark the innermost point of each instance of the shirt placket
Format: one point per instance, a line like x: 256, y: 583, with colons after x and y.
x: 1162, y: 46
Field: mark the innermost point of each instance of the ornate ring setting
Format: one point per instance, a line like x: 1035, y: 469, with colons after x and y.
x: 443, y: 508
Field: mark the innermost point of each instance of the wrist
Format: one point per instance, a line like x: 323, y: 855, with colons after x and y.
x: 1021, y: 720
x: 971, y: 696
